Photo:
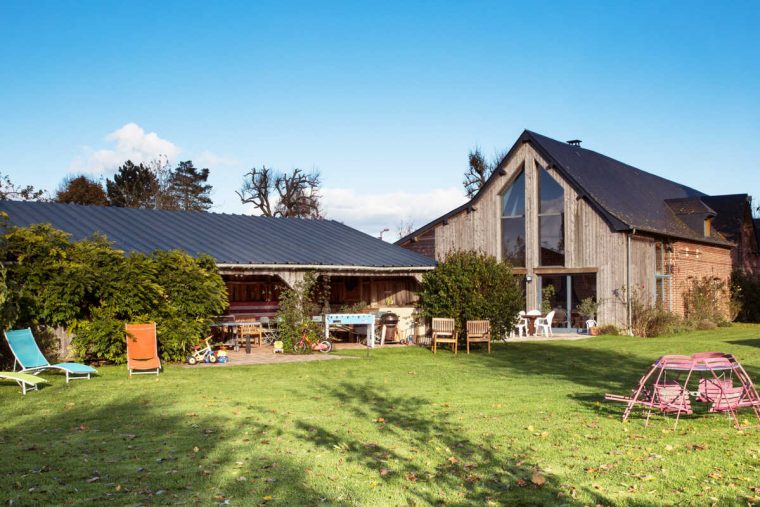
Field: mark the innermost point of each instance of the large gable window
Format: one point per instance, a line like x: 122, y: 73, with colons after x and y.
x: 513, y: 222
x: 551, y: 220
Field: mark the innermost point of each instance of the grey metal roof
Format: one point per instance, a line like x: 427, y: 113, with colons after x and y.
x: 625, y: 196
x: 230, y: 239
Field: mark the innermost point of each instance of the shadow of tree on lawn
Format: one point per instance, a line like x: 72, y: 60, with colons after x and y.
x: 140, y: 450
x: 464, y: 472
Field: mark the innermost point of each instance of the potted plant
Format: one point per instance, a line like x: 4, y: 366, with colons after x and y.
x: 588, y: 308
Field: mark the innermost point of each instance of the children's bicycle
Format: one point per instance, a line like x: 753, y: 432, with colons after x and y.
x: 304, y: 344
x: 202, y: 354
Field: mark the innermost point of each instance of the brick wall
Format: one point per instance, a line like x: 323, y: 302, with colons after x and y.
x: 694, y: 260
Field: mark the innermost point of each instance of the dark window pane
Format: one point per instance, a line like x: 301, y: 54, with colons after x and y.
x: 513, y: 200
x: 552, y: 194
x: 554, y: 290
x: 583, y: 286
x: 513, y: 241
x: 552, y: 240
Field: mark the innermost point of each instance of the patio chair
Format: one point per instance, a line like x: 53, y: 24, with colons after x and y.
x: 142, y: 349
x: 269, y: 334
x: 522, y: 324
x: 545, y: 324
x: 26, y: 381
x: 31, y: 360
x: 589, y: 324
x: 479, y: 331
x: 444, y: 331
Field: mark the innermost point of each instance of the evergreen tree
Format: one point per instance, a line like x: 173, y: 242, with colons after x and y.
x: 133, y: 186
x: 189, y: 189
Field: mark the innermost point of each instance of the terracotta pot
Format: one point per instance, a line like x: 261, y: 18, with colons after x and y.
x: 594, y: 331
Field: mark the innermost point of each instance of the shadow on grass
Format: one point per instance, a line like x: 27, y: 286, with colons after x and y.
x: 605, y: 370
x: 464, y: 472
x: 132, y: 451
x: 746, y: 342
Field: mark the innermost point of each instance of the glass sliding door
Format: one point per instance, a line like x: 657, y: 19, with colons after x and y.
x: 563, y: 293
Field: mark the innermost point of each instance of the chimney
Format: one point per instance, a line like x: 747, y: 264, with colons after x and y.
x: 574, y: 142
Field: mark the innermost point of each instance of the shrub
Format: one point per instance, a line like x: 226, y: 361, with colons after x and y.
x: 92, y: 290
x: 706, y: 324
x: 745, y: 292
x: 706, y: 299
x: 297, y: 305
x: 472, y: 286
x: 609, y: 329
x: 648, y: 320
x: 588, y: 307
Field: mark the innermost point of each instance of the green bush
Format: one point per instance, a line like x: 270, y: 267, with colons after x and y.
x: 473, y: 286
x: 92, y: 290
x: 296, y: 307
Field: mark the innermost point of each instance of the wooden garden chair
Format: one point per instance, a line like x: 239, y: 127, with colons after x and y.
x: 479, y: 331
x: 253, y: 330
x: 444, y: 331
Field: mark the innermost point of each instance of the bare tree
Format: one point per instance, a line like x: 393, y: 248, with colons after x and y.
x: 479, y: 170
x: 275, y: 193
x: 11, y: 192
x: 163, y: 172
x: 405, y: 227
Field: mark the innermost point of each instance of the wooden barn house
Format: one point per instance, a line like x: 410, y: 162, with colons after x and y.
x: 580, y: 224
x: 257, y: 256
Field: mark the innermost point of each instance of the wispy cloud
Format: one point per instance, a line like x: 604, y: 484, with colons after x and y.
x: 211, y: 160
x: 371, y: 213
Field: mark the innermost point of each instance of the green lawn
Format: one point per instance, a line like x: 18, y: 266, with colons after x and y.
x: 526, y: 424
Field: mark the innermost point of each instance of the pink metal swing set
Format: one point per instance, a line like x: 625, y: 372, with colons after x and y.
x: 723, y: 383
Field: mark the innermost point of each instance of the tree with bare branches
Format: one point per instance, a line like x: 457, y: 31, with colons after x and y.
x: 478, y: 171
x: 275, y: 193
x: 11, y: 192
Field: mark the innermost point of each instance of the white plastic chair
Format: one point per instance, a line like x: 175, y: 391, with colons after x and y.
x: 522, y: 324
x: 545, y: 324
x: 589, y: 324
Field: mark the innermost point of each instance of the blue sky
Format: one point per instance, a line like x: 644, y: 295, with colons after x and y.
x: 384, y: 98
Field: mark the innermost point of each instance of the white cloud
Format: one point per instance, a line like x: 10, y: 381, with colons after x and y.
x: 211, y: 160
x: 131, y: 143
x: 374, y: 212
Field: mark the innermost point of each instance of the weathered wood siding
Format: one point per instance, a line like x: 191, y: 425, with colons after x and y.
x: 589, y: 241
x: 424, y: 244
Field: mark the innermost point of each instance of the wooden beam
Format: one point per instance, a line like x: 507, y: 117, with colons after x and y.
x: 564, y: 271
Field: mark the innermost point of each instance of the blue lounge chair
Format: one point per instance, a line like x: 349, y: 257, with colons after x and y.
x: 29, y: 357
x: 26, y: 381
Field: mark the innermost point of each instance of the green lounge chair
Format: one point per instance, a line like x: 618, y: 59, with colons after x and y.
x: 29, y: 357
x: 26, y: 381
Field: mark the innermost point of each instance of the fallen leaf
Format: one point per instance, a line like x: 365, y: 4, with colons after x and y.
x: 380, y: 420
x: 453, y: 460
x: 93, y: 479
x: 537, y: 479
x: 411, y: 476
